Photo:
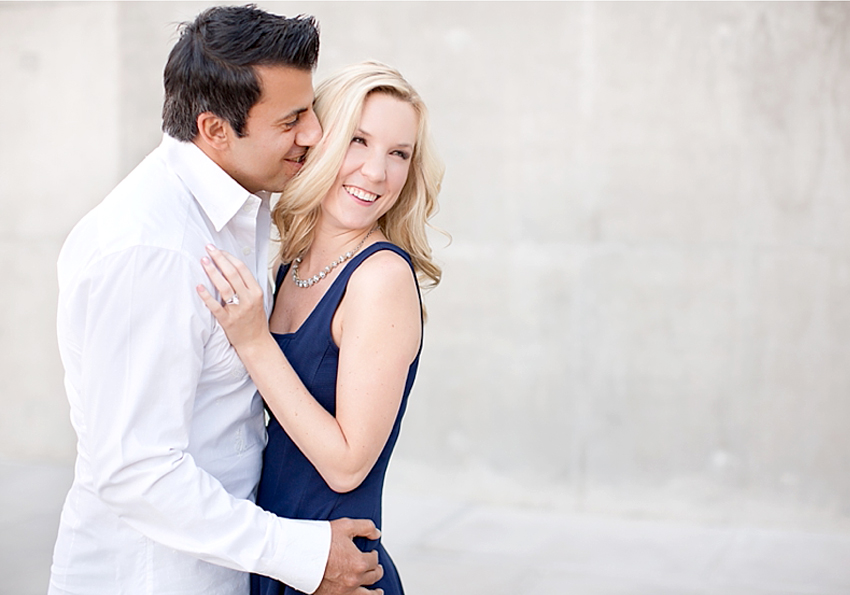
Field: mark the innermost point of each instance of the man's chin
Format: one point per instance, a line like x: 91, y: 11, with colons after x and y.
x: 278, y: 185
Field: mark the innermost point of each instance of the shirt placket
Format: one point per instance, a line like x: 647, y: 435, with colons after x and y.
x: 262, y: 233
x: 244, y: 225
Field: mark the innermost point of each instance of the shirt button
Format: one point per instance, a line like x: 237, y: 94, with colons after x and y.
x: 246, y: 250
x: 247, y: 207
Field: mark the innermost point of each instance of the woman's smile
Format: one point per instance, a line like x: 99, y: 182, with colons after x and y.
x: 361, y: 194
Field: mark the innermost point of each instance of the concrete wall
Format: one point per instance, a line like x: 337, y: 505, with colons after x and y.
x: 646, y: 304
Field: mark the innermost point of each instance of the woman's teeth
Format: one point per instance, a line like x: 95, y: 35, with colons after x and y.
x: 361, y: 194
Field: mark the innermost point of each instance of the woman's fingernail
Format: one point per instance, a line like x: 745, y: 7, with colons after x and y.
x: 210, y: 247
x: 205, y: 260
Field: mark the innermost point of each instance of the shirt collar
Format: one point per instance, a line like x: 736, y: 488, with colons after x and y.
x: 219, y: 195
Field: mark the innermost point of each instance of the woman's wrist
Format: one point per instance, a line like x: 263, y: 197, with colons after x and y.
x: 254, y: 348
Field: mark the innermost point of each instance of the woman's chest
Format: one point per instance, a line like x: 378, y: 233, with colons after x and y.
x: 313, y: 309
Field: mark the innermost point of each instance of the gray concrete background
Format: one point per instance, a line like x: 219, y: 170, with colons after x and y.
x: 646, y: 303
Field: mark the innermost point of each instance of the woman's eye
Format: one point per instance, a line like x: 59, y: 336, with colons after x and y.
x: 403, y: 154
x: 359, y: 140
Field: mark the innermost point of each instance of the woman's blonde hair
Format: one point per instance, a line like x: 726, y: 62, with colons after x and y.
x: 338, y: 105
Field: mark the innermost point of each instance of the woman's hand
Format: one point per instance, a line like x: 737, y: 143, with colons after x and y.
x: 242, y: 314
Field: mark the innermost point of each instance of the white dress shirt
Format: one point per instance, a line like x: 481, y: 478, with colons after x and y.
x: 170, y: 429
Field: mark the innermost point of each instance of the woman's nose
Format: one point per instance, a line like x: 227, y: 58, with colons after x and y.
x: 375, y: 168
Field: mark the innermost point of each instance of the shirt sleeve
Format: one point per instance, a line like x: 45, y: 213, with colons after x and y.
x: 141, y: 356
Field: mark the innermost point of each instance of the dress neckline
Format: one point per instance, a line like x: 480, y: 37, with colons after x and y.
x: 327, y: 292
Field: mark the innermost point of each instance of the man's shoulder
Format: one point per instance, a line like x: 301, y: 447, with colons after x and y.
x: 148, y: 207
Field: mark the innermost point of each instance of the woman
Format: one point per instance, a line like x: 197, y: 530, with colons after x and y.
x: 336, y: 361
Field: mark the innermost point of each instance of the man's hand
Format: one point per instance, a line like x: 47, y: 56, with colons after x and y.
x: 348, y: 568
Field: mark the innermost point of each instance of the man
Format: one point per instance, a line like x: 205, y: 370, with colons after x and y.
x: 170, y: 429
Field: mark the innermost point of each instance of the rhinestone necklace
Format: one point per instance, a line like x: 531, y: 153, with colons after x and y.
x: 325, y: 271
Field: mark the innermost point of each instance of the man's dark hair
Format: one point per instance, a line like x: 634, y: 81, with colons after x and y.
x: 211, y: 67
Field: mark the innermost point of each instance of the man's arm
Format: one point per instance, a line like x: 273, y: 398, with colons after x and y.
x: 141, y: 358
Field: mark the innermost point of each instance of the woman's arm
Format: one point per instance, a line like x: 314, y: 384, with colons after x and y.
x: 379, y: 331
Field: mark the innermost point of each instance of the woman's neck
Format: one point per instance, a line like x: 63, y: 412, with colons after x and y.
x: 332, y: 243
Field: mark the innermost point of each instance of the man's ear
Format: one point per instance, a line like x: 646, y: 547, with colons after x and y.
x: 214, y: 131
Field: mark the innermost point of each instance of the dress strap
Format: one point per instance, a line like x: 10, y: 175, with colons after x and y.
x: 330, y: 301
x: 372, y: 249
x: 279, y: 277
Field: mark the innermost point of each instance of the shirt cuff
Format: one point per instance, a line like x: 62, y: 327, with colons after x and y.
x: 304, y: 554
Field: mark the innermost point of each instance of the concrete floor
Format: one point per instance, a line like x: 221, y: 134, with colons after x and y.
x: 451, y: 548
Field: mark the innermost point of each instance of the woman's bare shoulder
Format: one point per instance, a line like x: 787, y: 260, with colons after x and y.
x: 384, y: 276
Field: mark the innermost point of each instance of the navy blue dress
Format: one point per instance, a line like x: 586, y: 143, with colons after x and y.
x: 290, y: 486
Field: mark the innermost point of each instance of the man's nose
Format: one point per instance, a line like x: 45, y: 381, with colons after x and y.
x: 310, y: 131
